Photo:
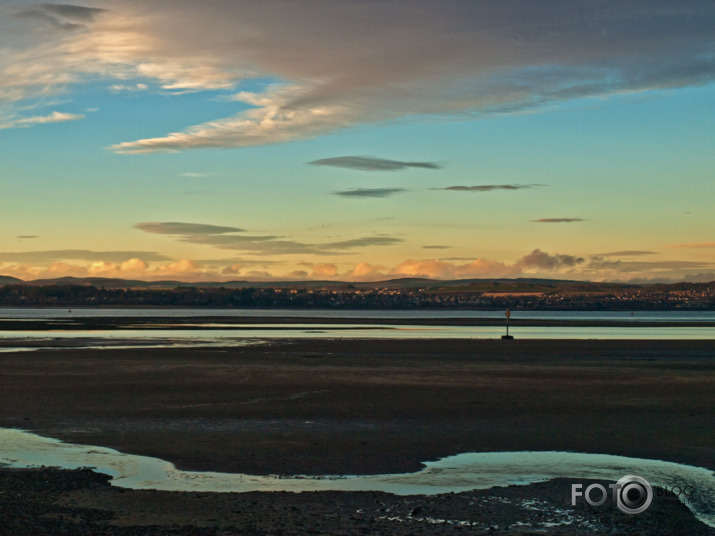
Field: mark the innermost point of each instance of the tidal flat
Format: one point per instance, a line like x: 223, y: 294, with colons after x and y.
x: 357, y: 407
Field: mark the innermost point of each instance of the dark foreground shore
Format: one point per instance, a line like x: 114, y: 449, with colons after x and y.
x: 356, y: 407
x: 52, y: 501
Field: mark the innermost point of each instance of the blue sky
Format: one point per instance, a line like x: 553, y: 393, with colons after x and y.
x: 357, y: 140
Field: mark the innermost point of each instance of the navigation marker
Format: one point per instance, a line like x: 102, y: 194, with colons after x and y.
x: 507, y: 336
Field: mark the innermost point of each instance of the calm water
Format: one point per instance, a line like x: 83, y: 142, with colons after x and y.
x: 231, y: 332
x: 46, y: 313
x: 242, y: 334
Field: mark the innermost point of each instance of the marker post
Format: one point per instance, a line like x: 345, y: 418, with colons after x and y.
x: 507, y: 337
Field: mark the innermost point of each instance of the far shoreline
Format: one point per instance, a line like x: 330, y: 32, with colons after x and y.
x: 108, y: 322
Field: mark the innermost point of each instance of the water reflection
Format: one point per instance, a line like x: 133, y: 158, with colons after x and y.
x: 238, y: 334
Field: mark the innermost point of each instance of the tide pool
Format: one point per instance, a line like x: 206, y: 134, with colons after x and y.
x: 463, y: 472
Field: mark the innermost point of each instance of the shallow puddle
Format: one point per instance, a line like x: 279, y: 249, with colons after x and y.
x: 463, y: 472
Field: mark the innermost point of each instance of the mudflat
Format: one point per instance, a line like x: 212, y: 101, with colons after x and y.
x: 368, y: 406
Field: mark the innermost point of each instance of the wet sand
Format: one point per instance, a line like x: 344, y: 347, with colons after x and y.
x: 363, y: 406
x: 369, y: 406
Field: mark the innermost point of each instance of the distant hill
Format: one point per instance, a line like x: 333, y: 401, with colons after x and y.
x: 400, y: 283
x: 432, y: 285
x: 9, y: 280
x: 114, y: 283
x: 89, y: 282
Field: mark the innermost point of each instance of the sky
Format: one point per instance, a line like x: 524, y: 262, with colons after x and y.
x: 358, y: 140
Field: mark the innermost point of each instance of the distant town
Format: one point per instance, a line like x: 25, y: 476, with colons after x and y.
x: 536, y: 294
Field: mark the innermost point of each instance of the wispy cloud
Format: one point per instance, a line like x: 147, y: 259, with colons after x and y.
x: 371, y: 163
x: 341, y: 64
x: 489, y: 187
x: 274, y: 246
x: 78, y: 254
x: 557, y: 220
x: 269, y: 123
x: 695, y: 245
x: 653, y: 267
x: 60, y: 16
x: 180, y: 228
x: 628, y: 253
x: 54, y: 117
x: 370, y: 192
x: 23, y: 237
x: 128, y: 87
x: 437, y: 246
x: 233, y: 238
x: 271, y: 245
x: 195, y: 174
x: 380, y: 240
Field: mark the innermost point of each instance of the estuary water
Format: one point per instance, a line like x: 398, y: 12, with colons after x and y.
x: 57, y: 313
x: 232, y: 327
x: 463, y: 472
x: 240, y: 335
